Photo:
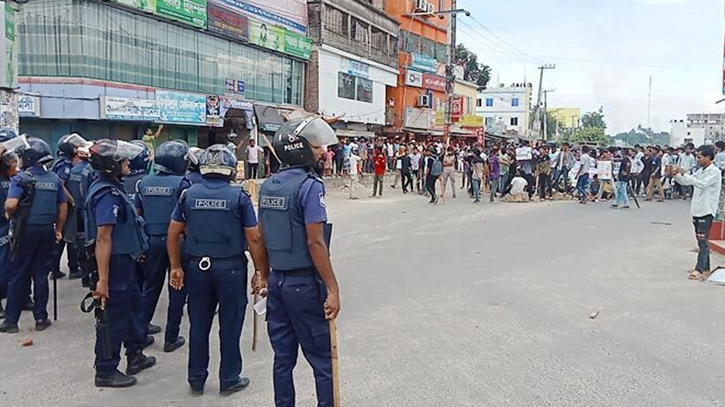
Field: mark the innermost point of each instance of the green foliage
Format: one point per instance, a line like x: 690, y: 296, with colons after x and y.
x: 643, y: 136
x: 475, y: 72
x: 594, y: 119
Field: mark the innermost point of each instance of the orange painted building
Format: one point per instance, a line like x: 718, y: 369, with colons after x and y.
x: 420, y: 93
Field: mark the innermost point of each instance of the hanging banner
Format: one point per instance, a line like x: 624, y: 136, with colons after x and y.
x: 118, y: 108
x: 423, y: 63
x: 290, y: 14
x: 181, y: 108
x: 297, y: 45
x: 8, y: 50
x: 434, y: 82
x: 213, y: 111
x: 266, y: 36
x: 148, y: 6
x: 414, y: 78
x: 192, y: 12
x: 9, y: 110
x: 29, y: 105
x: 456, y: 107
x: 227, y: 22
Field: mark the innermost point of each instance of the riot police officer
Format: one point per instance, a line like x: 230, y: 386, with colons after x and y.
x: 219, y: 221
x: 303, y: 293
x: 79, y: 181
x: 42, y: 228
x: 118, y: 238
x: 8, y: 164
x: 193, y: 175
x: 156, y: 198
x: 139, y: 168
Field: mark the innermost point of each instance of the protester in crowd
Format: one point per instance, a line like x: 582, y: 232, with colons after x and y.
x: 543, y: 169
x: 582, y: 176
x: 564, y: 161
x: 476, y: 164
x: 519, y: 186
x: 379, y: 162
x: 637, y: 168
x: 655, y: 180
x: 434, y: 170
x: 339, y: 159
x: 449, y: 171
x: 415, y: 168
x: 494, y: 173
x: 623, y: 179
x: 687, y: 163
x: 398, y: 166
x: 405, y: 175
x: 505, y: 166
x: 252, y: 153
x: 329, y: 157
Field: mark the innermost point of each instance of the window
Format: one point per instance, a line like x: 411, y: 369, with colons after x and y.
x: 489, y: 102
x: 468, y: 105
x: 515, y: 102
x: 514, y: 121
x: 489, y: 121
x: 478, y: 102
x: 364, y: 90
x: 354, y: 88
x: 335, y: 21
x: 359, y: 31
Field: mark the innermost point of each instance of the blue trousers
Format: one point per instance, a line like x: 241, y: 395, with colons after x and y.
x: 581, y: 185
x: 4, y: 259
x: 156, y: 266
x: 124, y: 312
x: 225, y: 284
x: 296, y: 318
x: 72, y: 256
x: 33, y: 260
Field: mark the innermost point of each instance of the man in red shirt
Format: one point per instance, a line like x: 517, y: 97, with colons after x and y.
x: 379, y: 163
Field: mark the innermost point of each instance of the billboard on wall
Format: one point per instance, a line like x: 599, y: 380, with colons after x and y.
x: 227, y: 22
x: 192, y: 12
x: 148, y: 6
x: 8, y: 49
x: 290, y: 14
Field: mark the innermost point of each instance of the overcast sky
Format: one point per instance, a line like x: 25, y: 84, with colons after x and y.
x: 605, y: 51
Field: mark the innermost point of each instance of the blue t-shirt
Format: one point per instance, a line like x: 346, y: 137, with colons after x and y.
x: 245, y: 210
x: 16, y: 191
x: 311, y: 196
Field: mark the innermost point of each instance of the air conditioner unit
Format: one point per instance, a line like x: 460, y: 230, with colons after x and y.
x: 423, y: 101
x: 431, y: 8
x: 421, y: 6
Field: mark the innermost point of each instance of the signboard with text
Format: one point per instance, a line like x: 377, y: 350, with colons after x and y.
x: 227, y: 22
x: 456, y: 107
x: 8, y: 47
x: 414, y: 78
x: 181, y: 108
x: 148, y: 6
x: 434, y: 82
x: 266, y: 36
x: 192, y: 12
x: 29, y: 105
x: 297, y: 45
x: 118, y: 108
x: 290, y: 14
x: 423, y: 62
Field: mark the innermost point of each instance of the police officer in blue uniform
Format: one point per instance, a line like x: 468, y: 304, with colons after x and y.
x: 78, y: 183
x: 61, y: 167
x: 117, y: 234
x: 219, y: 221
x: 193, y: 175
x: 42, y: 230
x: 302, y: 293
x: 156, y: 198
x: 8, y: 164
x: 139, y: 168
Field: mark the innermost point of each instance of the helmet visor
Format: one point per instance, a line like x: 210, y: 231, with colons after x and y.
x: 77, y: 141
x: 126, y: 151
x: 17, y: 144
x: 317, y: 132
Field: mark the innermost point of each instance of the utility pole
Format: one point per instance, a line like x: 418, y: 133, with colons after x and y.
x: 538, y: 98
x: 545, y: 135
x: 450, y: 73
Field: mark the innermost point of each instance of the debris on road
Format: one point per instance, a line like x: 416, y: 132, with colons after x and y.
x: 662, y: 223
x: 594, y: 314
x: 26, y: 342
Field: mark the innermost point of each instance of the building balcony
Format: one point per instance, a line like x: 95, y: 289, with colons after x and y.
x: 352, y: 46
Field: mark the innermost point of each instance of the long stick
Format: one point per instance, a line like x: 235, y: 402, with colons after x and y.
x: 55, y: 296
x: 255, y: 324
x: 335, y: 373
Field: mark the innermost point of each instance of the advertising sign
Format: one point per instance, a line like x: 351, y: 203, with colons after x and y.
x: 434, y: 82
x: 29, y: 105
x: 9, y: 110
x: 290, y: 14
x: 419, y: 118
x: 414, y: 78
x: 182, y: 108
x: 8, y: 49
x: 266, y: 35
x: 297, y: 45
x: 354, y: 68
x: 456, y: 107
x: 524, y: 154
x: 424, y: 63
x: 148, y: 6
x: 213, y: 111
x: 227, y: 22
x: 470, y: 120
x: 192, y: 12
x: 118, y: 108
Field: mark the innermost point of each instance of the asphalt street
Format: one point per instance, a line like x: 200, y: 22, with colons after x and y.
x: 455, y: 305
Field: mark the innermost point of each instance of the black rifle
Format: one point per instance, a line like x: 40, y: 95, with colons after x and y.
x: 102, y: 327
x: 20, y: 218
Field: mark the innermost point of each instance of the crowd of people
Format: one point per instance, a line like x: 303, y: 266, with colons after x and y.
x: 518, y: 171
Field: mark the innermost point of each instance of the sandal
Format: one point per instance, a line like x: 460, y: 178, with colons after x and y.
x: 695, y: 275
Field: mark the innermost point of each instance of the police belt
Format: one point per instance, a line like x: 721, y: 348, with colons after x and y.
x: 309, y: 272
x: 205, y: 262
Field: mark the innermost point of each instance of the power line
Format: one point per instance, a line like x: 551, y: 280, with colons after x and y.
x: 477, y: 37
x: 512, y: 47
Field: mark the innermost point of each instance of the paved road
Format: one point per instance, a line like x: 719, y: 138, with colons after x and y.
x: 458, y: 305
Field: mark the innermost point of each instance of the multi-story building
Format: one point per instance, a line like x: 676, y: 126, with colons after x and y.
x: 506, y: 110
x: 420, y: 94
x: 354, y: 59
x: 202, y: 68
x: 567, y: 117
x: 699, y: 128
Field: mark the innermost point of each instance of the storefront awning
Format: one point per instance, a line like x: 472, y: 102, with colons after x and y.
x: 268, y: 118
x: 354, y: 133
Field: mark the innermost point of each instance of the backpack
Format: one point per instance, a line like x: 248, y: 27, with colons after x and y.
x: 437, y: 168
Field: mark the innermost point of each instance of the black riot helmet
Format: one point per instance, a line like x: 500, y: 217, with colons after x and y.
x: 6, y: 134
x: 195, y: 154
x: 140, y: 163
x: 172, y: 157
x: 68, y: 144
x: 106, y: 156
x: 38, y: 153
x: 218, y: 161
x: 293, y: 142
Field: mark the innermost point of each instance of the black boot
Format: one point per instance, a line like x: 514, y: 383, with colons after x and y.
x: 115, y: 379
x: 239, y: 386
x: 2, y: 310
x: 149, y: 341
x: 172, y: 346
x: 42, y: 325
x: 29, y: 305
x: 8, y: 328
x: 153, y: 329
x: 139, y: 362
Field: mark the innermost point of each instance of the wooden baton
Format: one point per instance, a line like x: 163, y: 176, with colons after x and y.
x: 335, y: 373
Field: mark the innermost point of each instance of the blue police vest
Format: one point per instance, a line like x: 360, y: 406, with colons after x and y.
x: 4, y: 188
x: 60, y: 165
x: 283, y: 223
x: 159, y: 195
x: 78, y: 183
x: 213, y: 225
x: 44, y: 209
x: 128, y: 237
x: 129, y: 185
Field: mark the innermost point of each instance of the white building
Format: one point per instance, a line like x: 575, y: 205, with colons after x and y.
x: 698, y: 129
x: 506, y: 108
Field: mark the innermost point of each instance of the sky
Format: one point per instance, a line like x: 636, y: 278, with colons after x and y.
x: 605, y: 52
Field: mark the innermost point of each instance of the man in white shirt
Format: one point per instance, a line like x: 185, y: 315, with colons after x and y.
x: 705, y: 200
x: 253, y: 151
x: 582, y: 177
x: 415, y: 158
x: 687, y: 163
x: 354, y: 170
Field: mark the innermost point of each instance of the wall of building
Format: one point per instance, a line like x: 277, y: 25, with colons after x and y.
x: 568, y: 117
x: 503, y: 110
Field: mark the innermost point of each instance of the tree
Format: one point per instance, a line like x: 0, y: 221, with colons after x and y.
x: 643, y: 136
x: 590, y: 136
x: 473, y: 71
x: 594, y: 119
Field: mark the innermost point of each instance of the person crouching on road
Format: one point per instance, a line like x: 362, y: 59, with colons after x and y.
x: 219, y: 223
